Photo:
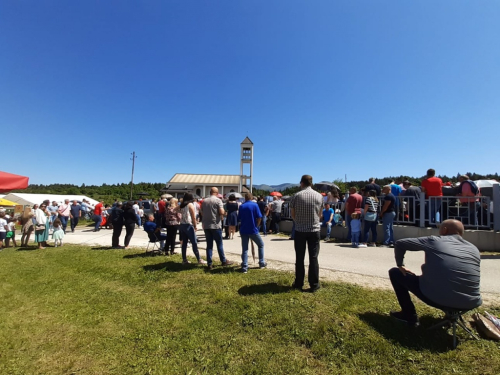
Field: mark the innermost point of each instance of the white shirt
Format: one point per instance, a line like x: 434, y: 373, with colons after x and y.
x: 136, y: 208
x: 12, y: 226
x: 3, y: 222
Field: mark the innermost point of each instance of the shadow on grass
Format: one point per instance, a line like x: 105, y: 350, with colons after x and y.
x: 437, y: 341
x: 268, y: 288
x: 486, y: 256
x: 148, y: 254
x: 170, y: 267
x: 27, y: 248
x: 222, y: 270
x: 102, y: 248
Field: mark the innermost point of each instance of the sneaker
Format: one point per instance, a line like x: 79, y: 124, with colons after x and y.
x: 243, y: 270
x: 186, y: 262
x: 188, y: 245
x: 264, y: 265
x: 327, y: 239
x: 362, y: 245
x: 227, y: 263
x: 372, y: 244
x: 202, y: 261
x: 411, y: 321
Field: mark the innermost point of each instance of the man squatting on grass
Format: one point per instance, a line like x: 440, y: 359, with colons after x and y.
x: 450, y: 274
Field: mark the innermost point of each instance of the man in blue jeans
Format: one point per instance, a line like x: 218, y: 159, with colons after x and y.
x: 387, y: 213
x: 249, y: 216
x: 212, y: 212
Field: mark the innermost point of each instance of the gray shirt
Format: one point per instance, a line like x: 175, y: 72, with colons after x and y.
x: 210, y: 216
x: 450, y: 274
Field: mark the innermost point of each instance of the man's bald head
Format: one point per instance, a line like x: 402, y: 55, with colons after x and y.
x: 214, y: 191
x: 450, y: 227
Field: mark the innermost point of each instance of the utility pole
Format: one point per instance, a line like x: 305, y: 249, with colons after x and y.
x: 132, y: 181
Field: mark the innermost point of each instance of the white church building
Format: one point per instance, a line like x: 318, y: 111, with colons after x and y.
x: 200, y: 184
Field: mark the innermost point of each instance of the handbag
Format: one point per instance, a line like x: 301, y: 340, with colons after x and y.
x: 40, y: 227
x: 370, y: 216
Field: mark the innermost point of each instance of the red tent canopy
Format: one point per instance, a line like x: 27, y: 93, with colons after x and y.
x: 9, y: 181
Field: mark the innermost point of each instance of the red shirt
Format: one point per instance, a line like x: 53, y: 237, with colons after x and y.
x: 433, y: 187
x: 161, y: 206
x: 354, y: 201
x: 98, y: 209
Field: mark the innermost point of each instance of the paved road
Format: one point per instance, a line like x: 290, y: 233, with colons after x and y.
x: 371, y: 262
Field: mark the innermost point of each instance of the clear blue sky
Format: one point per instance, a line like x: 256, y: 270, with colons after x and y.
x: 363, y: 88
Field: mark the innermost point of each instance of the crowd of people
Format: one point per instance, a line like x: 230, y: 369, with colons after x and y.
x: 450, y: 276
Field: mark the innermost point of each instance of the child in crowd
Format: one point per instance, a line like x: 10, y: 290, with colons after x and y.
x: 11, y: 232
x: 355, y: 229
x: 58, y: 233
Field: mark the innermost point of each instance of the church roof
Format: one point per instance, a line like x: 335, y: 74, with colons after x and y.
x: 247, y: 141
x: 203, y: 179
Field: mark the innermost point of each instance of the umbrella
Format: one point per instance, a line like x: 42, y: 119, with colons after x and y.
x: 326, y: 186
x: 286, y: 197
x: 7, y: 203
x: 236, y: 195
x: 275, y: 194
x: 323, y: 194
x: 486, y: 187
x: 485, y: 183
x: 9, y: 181
x: 166, y: 196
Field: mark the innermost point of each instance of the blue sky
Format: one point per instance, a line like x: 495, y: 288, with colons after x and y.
x: 327, y: 88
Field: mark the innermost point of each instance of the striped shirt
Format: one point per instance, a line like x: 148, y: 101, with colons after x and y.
x: 307, y: 204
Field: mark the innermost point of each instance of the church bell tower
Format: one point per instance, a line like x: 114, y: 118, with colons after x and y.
x: 246, y: 164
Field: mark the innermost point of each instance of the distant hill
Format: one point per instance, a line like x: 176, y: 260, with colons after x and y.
x: 274, y: 187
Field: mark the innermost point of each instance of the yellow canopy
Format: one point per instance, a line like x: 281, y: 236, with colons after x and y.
x: 6, y: 203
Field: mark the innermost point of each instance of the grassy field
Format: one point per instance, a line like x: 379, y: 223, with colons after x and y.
x: 82, y: 310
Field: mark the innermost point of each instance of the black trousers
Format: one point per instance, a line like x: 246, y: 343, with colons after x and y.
x: 276, y: 218
x: 117, y: 231
x: 74, y: 222
x: 403, y: 285
x: 311, y: 239
x: 171, y: 234
x: 129, y: 232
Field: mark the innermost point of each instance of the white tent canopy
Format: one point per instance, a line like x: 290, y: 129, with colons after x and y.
x: 26, y: 199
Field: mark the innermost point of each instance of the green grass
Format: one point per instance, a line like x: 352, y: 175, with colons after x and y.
x: 82, y: 310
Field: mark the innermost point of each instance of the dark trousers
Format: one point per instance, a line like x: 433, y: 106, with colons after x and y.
x: 403, y: 285
x: 74, y: 222
x: 129, y: 232
x: 311, y: 239
x: 64, y: 222
x: 171, y: 234
x: 276, y: 218
x: 117, y: 231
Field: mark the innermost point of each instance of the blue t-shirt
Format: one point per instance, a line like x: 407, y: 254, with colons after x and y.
x: 396, y: 190
x: 390, y: 197
x: 248, y: 214
x: 327, y: 214
x: 149, y: 226
x: 75, y: 210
